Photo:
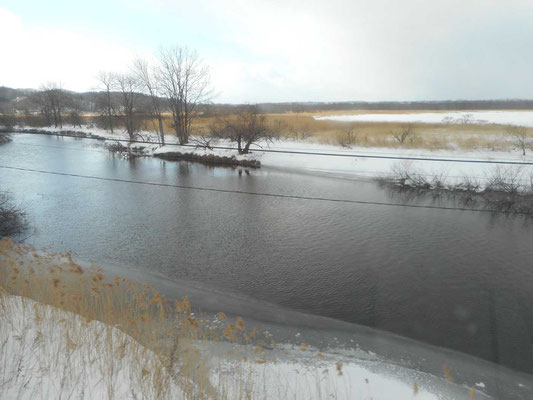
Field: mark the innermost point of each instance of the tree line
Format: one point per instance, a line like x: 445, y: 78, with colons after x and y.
x: 174, y: 84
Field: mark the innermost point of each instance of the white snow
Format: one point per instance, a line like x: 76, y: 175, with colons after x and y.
x: 449, y: 172
x: 368, y: 168
x: 520, y: 118
x: 362, y: 165
x: 48, y: 353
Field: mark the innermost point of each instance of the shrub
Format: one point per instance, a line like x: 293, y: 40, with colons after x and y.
x: 12, y: 218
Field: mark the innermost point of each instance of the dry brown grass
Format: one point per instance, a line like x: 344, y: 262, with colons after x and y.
x: 165, y: 355
x: 77, y: 324
x: 302, y: 126
x: 168, y: 328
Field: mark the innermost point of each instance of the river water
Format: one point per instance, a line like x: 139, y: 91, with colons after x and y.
x: 457, y: 279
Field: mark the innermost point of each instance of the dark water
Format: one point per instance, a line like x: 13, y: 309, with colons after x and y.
x: 457, y: 279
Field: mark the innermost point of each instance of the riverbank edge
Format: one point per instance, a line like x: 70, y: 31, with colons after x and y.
x: 415, y: 171
x: 136, y: 149
x: 361, y: 356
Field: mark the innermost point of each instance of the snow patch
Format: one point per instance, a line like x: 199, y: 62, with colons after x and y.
x: 518, y: 118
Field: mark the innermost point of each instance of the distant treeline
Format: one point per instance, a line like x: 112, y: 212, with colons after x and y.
x: 19, y: 100
x: 399, y: 105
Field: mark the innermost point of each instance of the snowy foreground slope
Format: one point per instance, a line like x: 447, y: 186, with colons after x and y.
x: 47, y: 353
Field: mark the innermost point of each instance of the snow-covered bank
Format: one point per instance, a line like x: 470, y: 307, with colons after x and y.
x: 49, y: 353
x: 46, y: 351
x: 518, y: 118
x: 450, y: 167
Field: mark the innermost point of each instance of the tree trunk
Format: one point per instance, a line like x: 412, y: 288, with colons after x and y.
x: 110, y: 118
x: 161, y: 132
x: 54, y: 111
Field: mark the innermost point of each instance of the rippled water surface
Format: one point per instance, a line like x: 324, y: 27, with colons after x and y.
x: 458, y: 279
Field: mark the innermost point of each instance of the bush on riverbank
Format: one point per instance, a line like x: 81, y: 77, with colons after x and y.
x: 4, y: 138
x: 508, y: 190
x: 12, y: 218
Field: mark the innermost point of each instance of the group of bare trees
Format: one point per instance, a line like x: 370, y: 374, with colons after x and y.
x: 176, y: 81
x: 173, y: 84
x: 50, y: 100
x: 104, y: 101
x: 119, y: 101
x: 184, y: 82
x: 57, y: 105
x: 146, y: 77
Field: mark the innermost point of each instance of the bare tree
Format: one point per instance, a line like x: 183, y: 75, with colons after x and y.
x: 105, y: 99
x: 129, y: 87
x: 402, y: 134
x: 149, y: 83
x: 54, y: 97
x: 246, y: 127
x: 73, y: 102
x: 519, y: 136
x: 185, y: 83
x: 40, y: 101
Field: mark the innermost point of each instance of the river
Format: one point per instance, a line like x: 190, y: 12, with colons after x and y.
x: 457, y: 279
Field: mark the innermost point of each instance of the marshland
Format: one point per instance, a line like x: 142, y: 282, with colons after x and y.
x: 316, y: 239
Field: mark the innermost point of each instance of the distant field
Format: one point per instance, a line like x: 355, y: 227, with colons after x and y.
x: 435, y: 136
x: 361, y: 131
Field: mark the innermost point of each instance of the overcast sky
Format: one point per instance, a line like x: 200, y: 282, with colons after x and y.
x: 283, y: 50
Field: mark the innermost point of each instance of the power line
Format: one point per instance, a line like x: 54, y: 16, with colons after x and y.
x: 255, y: 149
x: 372, y: 174
x: 276, y: 195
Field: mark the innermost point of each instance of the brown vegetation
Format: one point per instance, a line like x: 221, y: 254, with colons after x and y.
x: 166, y: 327
x: 302, y: 126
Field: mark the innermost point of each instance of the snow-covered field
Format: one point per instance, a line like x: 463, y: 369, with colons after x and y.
x: 47, y: 353
x: 519, y: 118
x: 451, y: 167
